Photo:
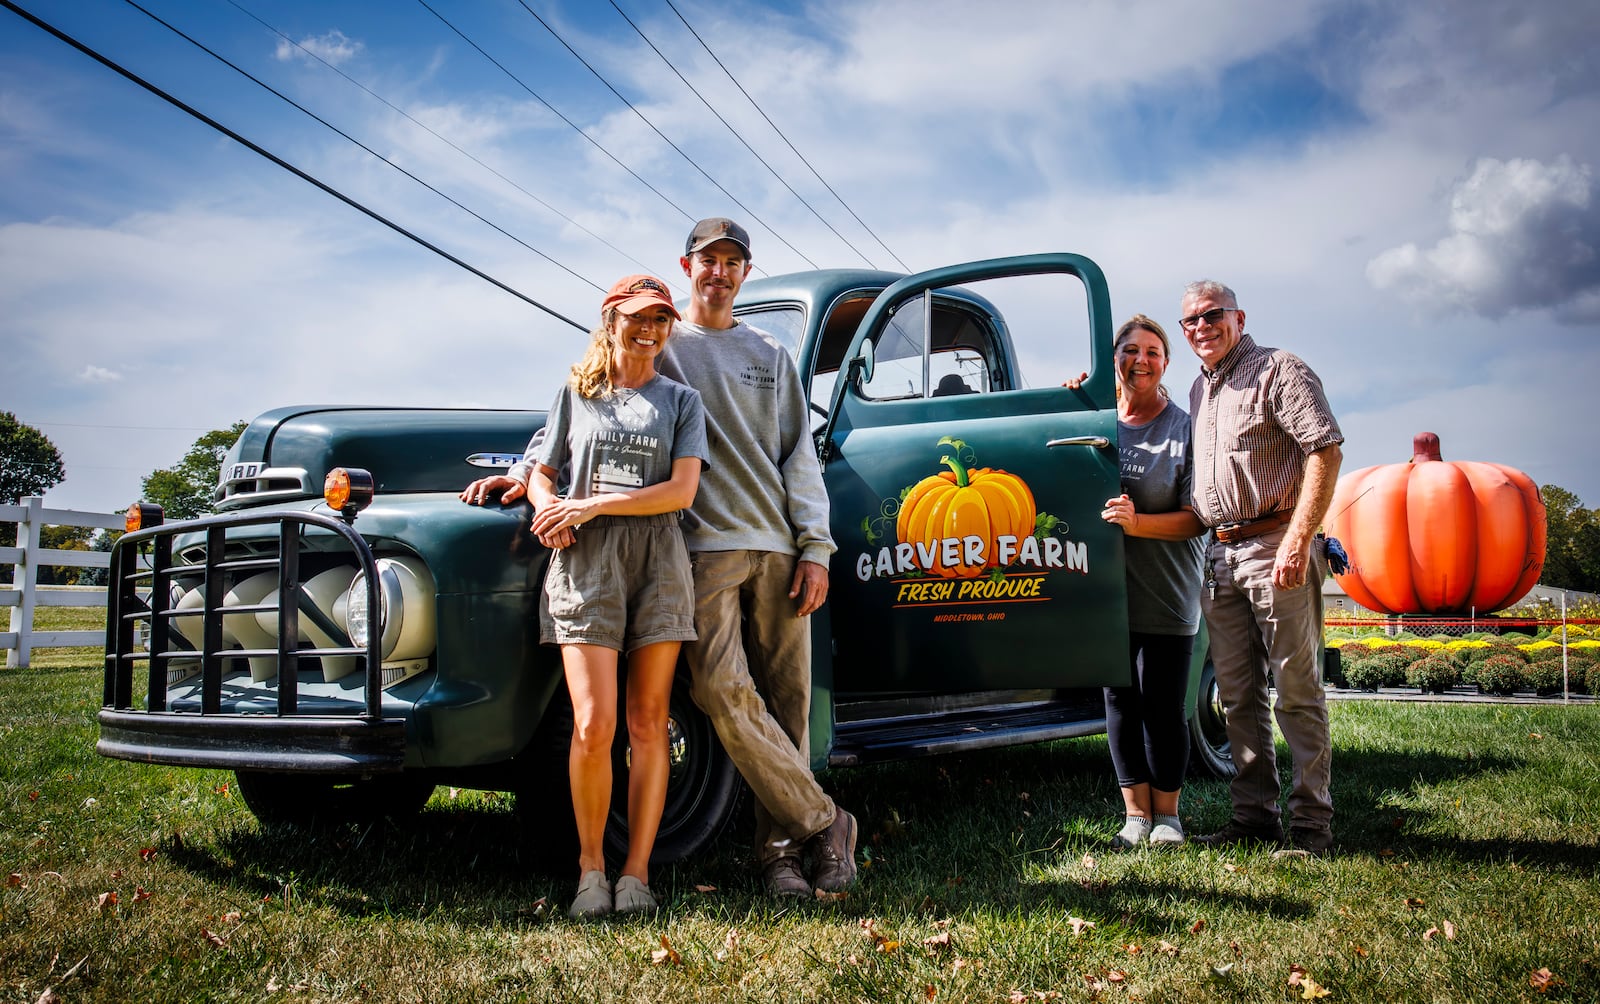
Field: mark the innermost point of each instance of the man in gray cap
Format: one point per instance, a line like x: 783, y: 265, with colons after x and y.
x: 759, y: 546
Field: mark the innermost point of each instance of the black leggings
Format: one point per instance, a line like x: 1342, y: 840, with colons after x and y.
x: 1145, y: 723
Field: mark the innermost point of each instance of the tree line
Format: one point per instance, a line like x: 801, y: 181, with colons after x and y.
x: 31, y: 465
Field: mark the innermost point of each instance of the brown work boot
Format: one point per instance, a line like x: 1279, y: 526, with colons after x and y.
x: 1306, y: 843
x: 782, y: 877
x: 1235, y: 833
x: 834, y: 853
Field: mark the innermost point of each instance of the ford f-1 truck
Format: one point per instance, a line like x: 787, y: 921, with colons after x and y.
x: 344, y: 633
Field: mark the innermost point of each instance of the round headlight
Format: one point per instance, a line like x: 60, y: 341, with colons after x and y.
x: 355, y: 613
x: 405, y: 609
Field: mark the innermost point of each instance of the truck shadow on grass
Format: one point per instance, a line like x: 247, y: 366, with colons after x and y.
x: 997, y: 830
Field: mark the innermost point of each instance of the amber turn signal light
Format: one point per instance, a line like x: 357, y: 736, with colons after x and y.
x: 347, y: 490
x: 143, y: 516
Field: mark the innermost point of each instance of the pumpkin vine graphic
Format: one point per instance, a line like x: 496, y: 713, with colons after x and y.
x: 962, y: 504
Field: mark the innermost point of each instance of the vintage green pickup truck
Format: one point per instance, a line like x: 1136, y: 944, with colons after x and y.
x: 345, y: 634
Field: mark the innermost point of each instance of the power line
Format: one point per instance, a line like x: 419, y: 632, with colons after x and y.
x: 295, y: 104
x: 518, y: 81
x: 424, y: 126
x: 691, y: 161
x: 274, y: 158
x: 736, y: 135
x: 775, y: 129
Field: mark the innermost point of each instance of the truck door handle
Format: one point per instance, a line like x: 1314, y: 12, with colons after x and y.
x: 1098, y: 442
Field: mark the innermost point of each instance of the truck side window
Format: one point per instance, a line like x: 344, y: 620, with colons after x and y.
x: 786, y: 323
x: 959, y: 358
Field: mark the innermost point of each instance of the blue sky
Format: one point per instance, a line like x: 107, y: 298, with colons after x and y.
x: 1404, y: 195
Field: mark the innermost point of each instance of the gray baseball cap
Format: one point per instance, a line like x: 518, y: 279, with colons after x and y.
x: 717, y: 228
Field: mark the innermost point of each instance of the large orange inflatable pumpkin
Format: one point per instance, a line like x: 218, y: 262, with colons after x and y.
x: 1438, y: 537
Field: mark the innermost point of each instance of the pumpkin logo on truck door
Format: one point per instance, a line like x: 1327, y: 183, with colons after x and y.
x: 966, y: 535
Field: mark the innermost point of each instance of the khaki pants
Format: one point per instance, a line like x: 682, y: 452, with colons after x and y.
x: 751, y: 674
x: 1257, y: 628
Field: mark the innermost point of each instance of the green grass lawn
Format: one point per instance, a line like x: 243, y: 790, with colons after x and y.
x: 1467, y: 865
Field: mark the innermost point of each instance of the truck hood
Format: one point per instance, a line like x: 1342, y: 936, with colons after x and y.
x: 284, y: 454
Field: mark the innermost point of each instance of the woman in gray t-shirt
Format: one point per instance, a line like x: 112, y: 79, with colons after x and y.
x: 1145, y: 724
x: 633, y: 443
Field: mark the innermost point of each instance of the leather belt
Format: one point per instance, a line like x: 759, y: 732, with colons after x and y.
x: 1231, y: 533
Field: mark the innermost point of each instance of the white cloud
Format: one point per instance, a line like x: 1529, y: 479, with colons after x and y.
x: 98, y: 374
x: 331, y: 47
x: 1523, y: 235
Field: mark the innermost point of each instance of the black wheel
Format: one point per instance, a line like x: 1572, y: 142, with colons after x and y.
x: 310, y: 799
x: 703, y: 786
x: 1210, y: 754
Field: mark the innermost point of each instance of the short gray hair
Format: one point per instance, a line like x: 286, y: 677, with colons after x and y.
x: 1213, y: 289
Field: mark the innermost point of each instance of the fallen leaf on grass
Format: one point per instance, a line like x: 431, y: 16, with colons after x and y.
x: 880, y: 941
x: 1310, y: 989
x: 139, y: 894
x: 1535, y: 735
x: 105, y: 900
x: 1168, y: 948
x: 1079, y: 925
x: 705, y: 888
x: 1360, y: 952
x: 666, y: 955
x: 1088, y: 861
x: 1237, y: 951
x: 232, y: 917
x: 33, y: 796
x: 1231, y: 867
x: 1132, y: 949
x: 146, y: 853
x: 14, y: 880
x: 824, y: 896
x: 1116, y: 976
x: 730, y: 945
x: 213, y: 937
x: 1449, y: 930
x: 1197, y: 926
x: 929, y: 992
x: 938, y: 943
x: 1542, y: 979
x: 959, y: 965
x: 1415, y: 903
x: 224, y: 790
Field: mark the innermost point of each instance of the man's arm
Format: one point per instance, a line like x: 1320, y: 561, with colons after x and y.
x: 1316, y: 494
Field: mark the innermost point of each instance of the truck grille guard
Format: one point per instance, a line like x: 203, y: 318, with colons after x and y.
x: 331, y: 740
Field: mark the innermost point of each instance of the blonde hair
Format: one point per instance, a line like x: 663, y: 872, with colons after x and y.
x: 591, y: 375
x: 1139, y: 322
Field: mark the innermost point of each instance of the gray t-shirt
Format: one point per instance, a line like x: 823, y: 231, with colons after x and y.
x: 625, y: 441
x: 1163, y: 575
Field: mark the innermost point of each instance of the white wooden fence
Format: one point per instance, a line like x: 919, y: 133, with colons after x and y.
x: 24, y: 596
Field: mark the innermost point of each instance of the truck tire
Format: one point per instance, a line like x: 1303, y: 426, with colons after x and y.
x: 703, y: 787
x: 311, y: 799
x: 1210, y: 755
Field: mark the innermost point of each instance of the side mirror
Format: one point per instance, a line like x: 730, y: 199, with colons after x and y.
x: 861, y: 365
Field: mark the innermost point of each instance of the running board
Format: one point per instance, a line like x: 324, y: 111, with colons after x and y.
x: 877, y: 740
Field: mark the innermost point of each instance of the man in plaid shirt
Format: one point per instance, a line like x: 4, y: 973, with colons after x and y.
x: 1266, y: 457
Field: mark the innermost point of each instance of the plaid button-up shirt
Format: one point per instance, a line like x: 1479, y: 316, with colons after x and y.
x: 1255, y: 416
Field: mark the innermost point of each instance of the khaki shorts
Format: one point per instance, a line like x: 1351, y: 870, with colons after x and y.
x: 623, y: 584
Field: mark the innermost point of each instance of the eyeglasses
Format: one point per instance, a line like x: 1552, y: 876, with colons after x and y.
x: 1211, y: 316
